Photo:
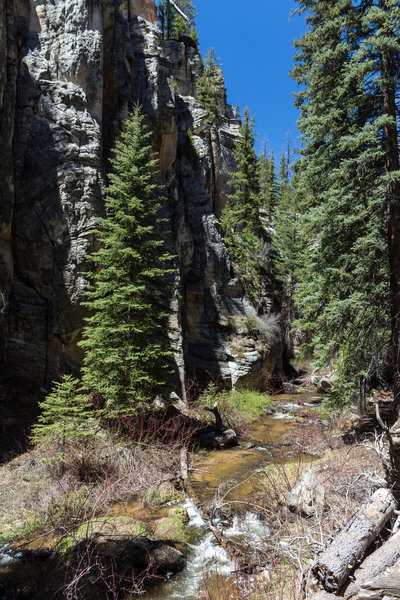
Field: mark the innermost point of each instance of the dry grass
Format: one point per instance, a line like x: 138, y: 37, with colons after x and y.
x: 39, y: 491
x: 349, y: 475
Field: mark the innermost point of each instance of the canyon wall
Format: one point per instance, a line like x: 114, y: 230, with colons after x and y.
x: 70, y: 71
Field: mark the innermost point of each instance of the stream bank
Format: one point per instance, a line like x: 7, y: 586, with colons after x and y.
x: 244, y: 491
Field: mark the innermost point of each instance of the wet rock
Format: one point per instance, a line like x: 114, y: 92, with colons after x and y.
x: 314, y: 399
x: 162, y: 557
x: 10, y: 556
x: 104, y: 527
x: 124, y: 553
x: 179, y: 511
x: 31, y: 556
x: 162, y: 494
x: 211, y: 439
x: 308, y: 496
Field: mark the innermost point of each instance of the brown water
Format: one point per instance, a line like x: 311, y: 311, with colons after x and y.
x: 232, y: 476
x: 218, y: 477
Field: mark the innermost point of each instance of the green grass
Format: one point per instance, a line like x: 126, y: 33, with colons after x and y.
x: 20, y: 532
x: 251, y: 404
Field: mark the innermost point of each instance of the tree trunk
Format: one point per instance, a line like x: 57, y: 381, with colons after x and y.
x: 348, y: 548
x: 374, y: 565
x: 392, y: 164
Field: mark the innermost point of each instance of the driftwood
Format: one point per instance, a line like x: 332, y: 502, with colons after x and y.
x: 375, y: 565
x: 184, y: 467
x: 219, y: 426
x: 348, y: 548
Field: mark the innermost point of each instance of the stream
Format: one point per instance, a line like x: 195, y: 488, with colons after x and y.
x: 223, y: 481
x: 231, y: 474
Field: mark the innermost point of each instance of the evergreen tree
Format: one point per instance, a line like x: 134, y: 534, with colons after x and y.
x: 287, y: 249
x: 240, y: 219
x: 65, y: 414
x: 268, y: 184
x: 172, y: 25
x: 210, y: 89
x: 284, y: 172
x: 349, y: 172
x: 128, y: 352
x: 182, y: 27
x: 166, y: 19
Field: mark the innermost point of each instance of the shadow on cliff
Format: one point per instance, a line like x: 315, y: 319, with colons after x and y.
x: 41, y: 247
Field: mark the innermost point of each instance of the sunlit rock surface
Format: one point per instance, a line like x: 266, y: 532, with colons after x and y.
x: 70, y: 71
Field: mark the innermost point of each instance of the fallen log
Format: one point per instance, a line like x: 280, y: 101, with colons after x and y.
x: 374, y: 565
x: 348, y: 548
x: 387, y: 584
x: 184, y: 467
x: 230, y: 548
x: 322, y: 595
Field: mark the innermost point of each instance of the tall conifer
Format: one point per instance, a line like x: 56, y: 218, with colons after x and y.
x: 349, y: 171
x: 172, y: 25
x: 240, y: 219
x: 128, y: 352
x: 268, y: 184
x: 210, y: 89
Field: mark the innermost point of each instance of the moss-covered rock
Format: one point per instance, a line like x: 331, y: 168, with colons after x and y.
x: 180, y: 512
x: 162, y: 494
x: 110, y: 527
x: 171, y: 529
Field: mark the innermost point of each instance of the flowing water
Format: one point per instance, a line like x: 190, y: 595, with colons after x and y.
x: 231, y: 475
x: 220, y: 479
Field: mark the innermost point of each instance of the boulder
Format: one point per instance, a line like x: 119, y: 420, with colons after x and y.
x: 159, y: 556
x: 170, y: 528
x: 162, y: 494
x: 105, y: 527
x: 213, y: 440
x: 308, y: 495
x: 323, y: 384
x: 180, y: 512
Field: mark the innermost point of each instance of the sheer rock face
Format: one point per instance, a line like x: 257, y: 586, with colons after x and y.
x: 70, y: 70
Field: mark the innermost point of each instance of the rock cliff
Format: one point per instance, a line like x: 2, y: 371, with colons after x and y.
x: 70, y: 71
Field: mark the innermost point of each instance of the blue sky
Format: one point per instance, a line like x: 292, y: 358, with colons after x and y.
x: 254, y: 41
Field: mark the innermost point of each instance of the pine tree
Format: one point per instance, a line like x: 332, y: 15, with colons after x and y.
x: 182, y: 27
x: 287, y: 249
x: 210, y: 89
x: 349, y: 171
x: 284, y: 172
x: 128, y: 353
x: 65, y: 414
x: 166, y: 19
x: 240, y: 219
x: 268, y: 184
x: 172, y: 25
